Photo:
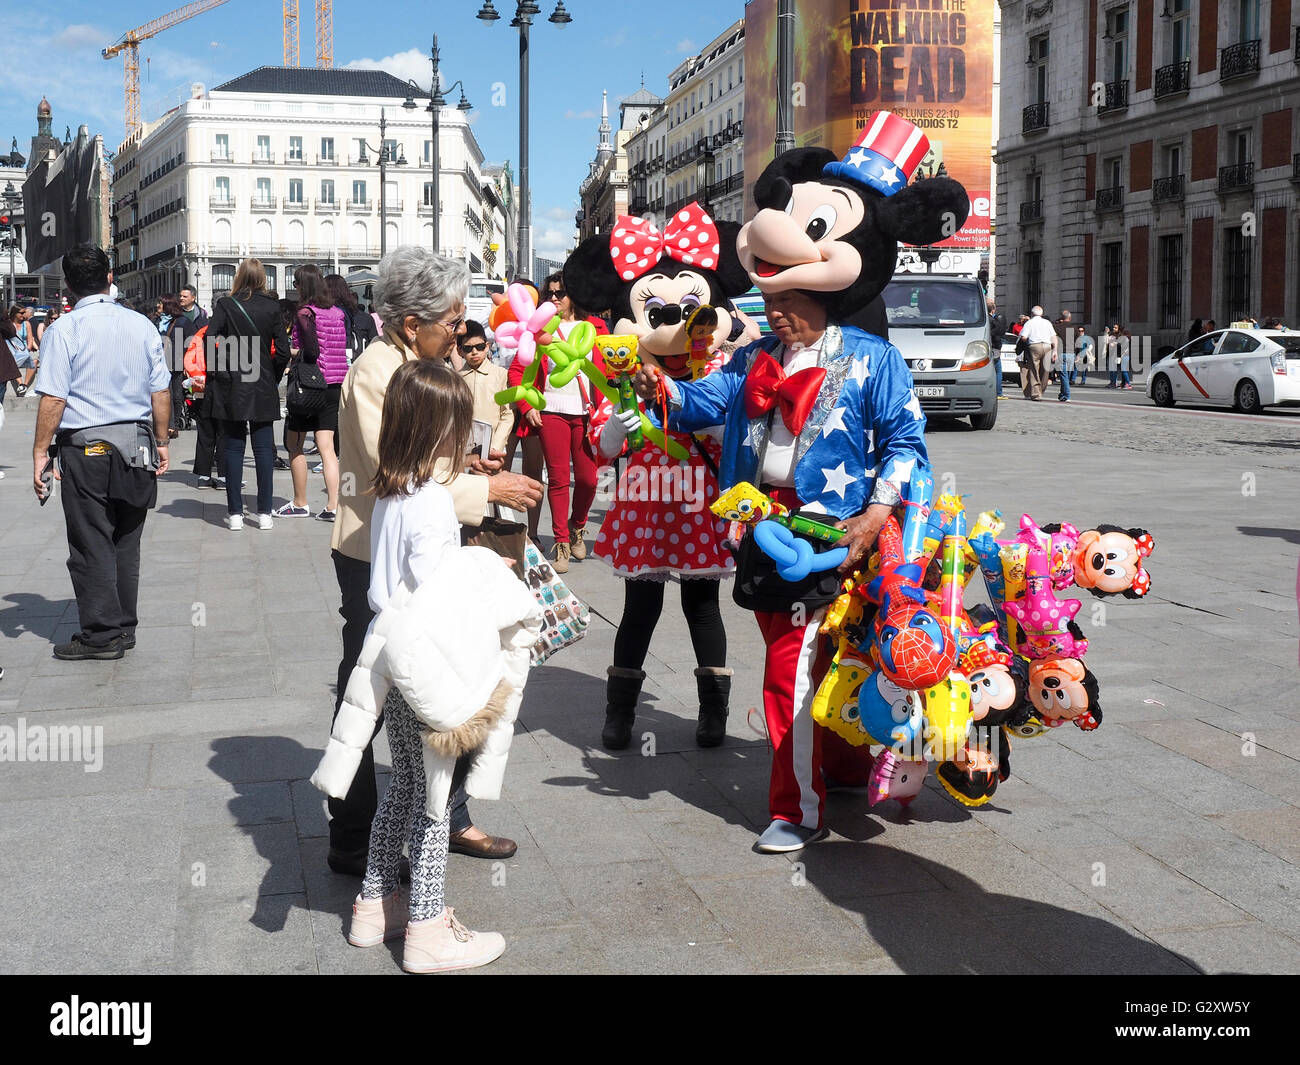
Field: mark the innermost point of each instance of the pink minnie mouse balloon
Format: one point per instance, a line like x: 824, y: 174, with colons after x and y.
x: 1046, y: 623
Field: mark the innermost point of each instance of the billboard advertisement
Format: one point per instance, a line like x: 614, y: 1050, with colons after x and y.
x: 929, y: 61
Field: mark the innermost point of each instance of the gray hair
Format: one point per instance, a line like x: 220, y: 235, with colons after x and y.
x: 1036, y: 311
x: 413, y: 281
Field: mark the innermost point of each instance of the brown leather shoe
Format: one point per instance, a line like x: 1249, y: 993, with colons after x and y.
x: 487, y: 847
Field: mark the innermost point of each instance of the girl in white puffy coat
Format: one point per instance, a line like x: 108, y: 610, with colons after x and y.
x: 449, y: 677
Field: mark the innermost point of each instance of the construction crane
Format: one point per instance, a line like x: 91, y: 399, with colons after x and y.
x: 324, y: 33
x: 130, y: 44
x: 290, y: 33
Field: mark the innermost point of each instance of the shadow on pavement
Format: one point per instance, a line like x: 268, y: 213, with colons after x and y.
x: 1291, y: 536
x: 28, y: 608
x: 244, y: 761
x: 936, y: 920
x: 571, y: 707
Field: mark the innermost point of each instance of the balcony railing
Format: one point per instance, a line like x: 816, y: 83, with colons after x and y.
x: 295, y: 206
x: 639, y: 207
x: 1239, y: 60
x: 221, y: 203
x: 263, y: 160
x: 1236, y: 177
x: 1173, y: 79
x: 327, y: 160
x: 425, y: 209
x: 392, y: 206
x: 1111, y: 199
x: 262, y: 203
x: 293, y: 157
x: 327, y: 206
x: 1115, y: 99
x: 1034, y: 117
x: 361, y: 206
x: 1031, y: 211
x: 219, y: 156
x: 1168, y: 189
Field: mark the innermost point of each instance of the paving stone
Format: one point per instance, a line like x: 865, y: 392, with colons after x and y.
x: 1247, y: 948
x: 1138, y: 889
x: 1276, y: 830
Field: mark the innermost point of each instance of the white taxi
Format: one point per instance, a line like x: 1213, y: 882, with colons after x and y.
x: 1250, y: 369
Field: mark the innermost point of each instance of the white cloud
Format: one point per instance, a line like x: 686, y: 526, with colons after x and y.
x: 412, y: 64
x: 686, y: 46
x: 589, y: 113
x: 83, y: 35
x: 553, y: 232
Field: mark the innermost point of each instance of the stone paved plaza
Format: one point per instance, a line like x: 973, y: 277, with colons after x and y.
x: 1165, y: 842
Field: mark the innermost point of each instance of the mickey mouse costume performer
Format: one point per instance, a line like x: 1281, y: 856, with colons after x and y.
x: 821, y: 415
x: 659, y: 524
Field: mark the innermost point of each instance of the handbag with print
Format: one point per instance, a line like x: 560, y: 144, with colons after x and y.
x: 564, y: 616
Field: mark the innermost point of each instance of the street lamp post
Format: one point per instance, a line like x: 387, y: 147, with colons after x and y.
x: 524, y: 12
x: 436, y: 103
x: 383, y: 178
x: 11, y: 200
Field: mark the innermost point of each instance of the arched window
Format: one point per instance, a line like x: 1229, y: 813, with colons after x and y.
x: 223, y: 276
x: 270, y: 278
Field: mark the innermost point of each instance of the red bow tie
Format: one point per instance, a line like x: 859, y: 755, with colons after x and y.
x: 768, y: 385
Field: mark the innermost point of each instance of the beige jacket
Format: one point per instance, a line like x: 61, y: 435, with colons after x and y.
x: 484, y: 383
x: 361, y: 407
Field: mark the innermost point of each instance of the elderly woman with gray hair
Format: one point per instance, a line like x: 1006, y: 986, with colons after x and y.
x: 421, y: 299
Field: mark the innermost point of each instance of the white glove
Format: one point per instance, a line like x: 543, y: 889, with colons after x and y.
x: 621, y: 422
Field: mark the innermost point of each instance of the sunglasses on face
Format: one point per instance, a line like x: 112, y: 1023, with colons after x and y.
x: 469, y: 349
x: 556, y: 294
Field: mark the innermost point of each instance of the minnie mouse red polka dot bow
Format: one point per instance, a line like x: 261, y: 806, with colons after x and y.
x: 636, y: 245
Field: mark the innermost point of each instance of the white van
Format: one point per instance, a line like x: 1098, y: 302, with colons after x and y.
x: 478, y: 304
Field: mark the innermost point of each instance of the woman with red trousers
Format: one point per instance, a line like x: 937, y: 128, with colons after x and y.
x: 563, y: 427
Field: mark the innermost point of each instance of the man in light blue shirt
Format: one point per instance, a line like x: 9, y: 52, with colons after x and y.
x: 105, y: 390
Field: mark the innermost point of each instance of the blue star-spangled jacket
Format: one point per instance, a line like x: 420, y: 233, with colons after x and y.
x: 866, y: 422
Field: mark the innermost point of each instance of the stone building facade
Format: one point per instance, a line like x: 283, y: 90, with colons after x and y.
x: 1149, y: 159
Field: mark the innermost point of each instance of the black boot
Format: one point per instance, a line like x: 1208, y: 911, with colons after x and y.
x: 714, y: 686
x: 621, y: 691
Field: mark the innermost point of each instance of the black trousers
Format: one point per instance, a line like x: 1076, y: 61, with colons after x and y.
x: 206, y: 452
x: 103, y: 547
x: 643, y: 602
x: 351, y: 816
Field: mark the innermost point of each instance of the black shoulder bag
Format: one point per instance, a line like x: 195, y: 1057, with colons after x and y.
x: 306, y: 389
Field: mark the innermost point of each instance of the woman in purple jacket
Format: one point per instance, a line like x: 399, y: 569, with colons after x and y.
x: 319, y: 334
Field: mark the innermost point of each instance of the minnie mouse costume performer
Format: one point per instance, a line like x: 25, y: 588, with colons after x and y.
x: 820, y: 415
x: 659, y: 524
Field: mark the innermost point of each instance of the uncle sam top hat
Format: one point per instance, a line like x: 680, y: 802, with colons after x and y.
x: 885, y: 156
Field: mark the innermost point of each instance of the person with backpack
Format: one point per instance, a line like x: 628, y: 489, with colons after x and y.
x: 320, y: 333
x: 245, y: 399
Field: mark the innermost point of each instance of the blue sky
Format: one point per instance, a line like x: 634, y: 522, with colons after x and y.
x: 56, y: 52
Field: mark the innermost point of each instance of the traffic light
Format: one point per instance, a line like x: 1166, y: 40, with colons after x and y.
x: 5, y: 221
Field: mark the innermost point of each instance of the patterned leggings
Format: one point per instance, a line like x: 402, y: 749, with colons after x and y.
x: 401, y: 819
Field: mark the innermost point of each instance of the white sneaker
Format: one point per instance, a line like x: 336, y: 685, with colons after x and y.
x: 264, y: 522
x: 234, y: 522
x: 443, y: 943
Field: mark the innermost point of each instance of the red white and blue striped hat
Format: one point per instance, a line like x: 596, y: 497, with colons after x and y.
x: 885, y: 156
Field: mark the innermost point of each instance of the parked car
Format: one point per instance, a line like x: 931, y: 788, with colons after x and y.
x: 940, y: 323
x: 1249, y: 369
x: 1010, y: 368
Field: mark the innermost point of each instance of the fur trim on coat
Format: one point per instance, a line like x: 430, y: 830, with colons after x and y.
x: 457, y: 650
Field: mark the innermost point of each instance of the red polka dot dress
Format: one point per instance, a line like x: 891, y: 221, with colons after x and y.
x: 659, y: 523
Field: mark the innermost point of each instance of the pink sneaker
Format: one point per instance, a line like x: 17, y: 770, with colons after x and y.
x: 377, y: 920
x: 442, y: 944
